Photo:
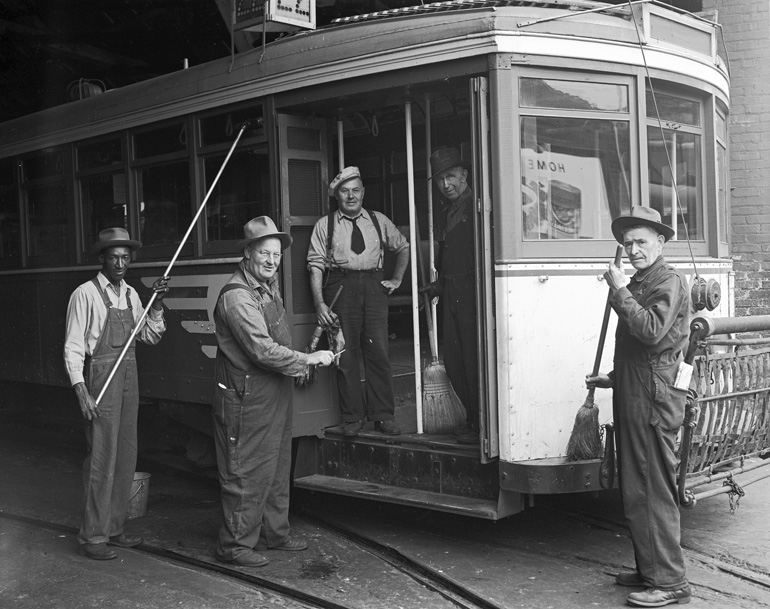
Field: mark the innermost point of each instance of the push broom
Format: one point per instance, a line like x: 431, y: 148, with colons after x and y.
x: 585, y: 441
x: 442, y: 410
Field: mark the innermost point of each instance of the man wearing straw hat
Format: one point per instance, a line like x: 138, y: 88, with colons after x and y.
x: 648, y: 404
x: 253, y: 400
x: 100, y: 319
x: 457, y: 286
x: 347, y: 248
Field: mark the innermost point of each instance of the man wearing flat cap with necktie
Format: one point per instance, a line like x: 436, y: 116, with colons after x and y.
x: 347, y: 248
x: 648, y: 404
x: 253, y: 401
x: 100, y: 318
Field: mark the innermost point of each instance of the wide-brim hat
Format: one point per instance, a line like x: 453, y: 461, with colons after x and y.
x: 114, y: 237
x: 445, y: 158
x: 641, y: 216
x: 343, y: 176
x: 261, y: 227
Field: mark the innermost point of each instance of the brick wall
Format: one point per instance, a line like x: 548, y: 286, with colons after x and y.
x: 746, y: 26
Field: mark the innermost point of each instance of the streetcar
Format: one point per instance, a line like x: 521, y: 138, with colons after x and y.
x: 568, y: 114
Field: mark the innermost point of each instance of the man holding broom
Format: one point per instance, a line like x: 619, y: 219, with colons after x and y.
x: 347, y: 249
x: 648, y: 406
x: 457, y: 286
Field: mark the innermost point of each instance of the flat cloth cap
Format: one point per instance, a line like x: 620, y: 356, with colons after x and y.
x: 343, y: 176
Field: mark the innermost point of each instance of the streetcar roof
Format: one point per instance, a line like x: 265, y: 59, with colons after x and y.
x: 376, y: 43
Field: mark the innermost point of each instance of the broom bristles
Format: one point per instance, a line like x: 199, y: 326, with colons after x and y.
x: 442, y: 410
x: 585, y: 442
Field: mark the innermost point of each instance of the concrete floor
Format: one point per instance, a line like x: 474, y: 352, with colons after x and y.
x: 545, y: 557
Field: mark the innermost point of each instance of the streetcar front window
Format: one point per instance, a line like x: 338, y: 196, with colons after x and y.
x: 675, y: 170
x: 164, y: 203
x: 574, y: 175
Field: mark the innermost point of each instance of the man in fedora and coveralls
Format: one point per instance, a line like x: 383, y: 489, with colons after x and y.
x: 100, y: 318
x: 347, y: 248
x: 648, y: 404
x: 456, y: 285
x: 253, y: 399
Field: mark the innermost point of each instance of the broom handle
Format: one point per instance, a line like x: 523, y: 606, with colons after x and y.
x: 605, y: 324
x: 166, y: 273
x: 428, y: 316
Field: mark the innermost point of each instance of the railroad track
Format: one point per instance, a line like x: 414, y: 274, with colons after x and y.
x: 454, y: 593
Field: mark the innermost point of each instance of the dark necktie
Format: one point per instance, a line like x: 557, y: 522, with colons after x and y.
x: 357, y: 244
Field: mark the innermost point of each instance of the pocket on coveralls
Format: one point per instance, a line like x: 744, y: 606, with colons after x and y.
x: 227, y: 412
x: 669, y: 403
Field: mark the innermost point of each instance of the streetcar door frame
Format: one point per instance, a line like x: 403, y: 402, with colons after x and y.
x: 303, y: 175
x: 483, y: 251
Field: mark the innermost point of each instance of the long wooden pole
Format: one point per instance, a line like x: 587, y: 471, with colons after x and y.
x: 202, y: 206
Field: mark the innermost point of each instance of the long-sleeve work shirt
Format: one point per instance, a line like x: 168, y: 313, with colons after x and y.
x: 242, y: 332
x: 86, y: 315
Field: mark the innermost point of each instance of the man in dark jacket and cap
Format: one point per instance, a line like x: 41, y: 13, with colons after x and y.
x: 456, y: 285
x: 648, y: 404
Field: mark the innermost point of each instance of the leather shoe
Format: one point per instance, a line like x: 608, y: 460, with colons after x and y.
x: 124, y: 540
x: 652, y: 597
x: 247, y: 559
x: 352, y: 428
x: 389, y: 428
x: 289, y: 545
x: 631, y: 578
x: 96, y: 551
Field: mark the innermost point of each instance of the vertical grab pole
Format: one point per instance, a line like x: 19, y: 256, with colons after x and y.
x: 138, y: 324
x: 432, y: 273
x: 413, y: 245
x: 340, y: 145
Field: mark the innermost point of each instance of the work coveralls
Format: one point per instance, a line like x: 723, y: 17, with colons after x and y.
x: 108, y: 470
x: 253, y: 401
x: 458, y: 285
x: 652, y: 334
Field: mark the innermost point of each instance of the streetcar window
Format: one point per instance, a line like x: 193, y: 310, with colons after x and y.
x: 242, y: 192
x: 165, y: 140
x: 43, y: 165
x: 47, y: 218
x: 222, y: 128
x: 723, y: 174
x: 552, y: 93
x: 575, y: 176
x: 675, y: 179
x: 671, y: 108
x: 164, y: 203
x: 104, y: 204
x: 10, y: 218
x: 48, y: 213
x: 100, y: 154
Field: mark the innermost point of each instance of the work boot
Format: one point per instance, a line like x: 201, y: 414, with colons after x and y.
x: 288, y: 545
x: 96, y: 551
x: 124, y: 540
x: 652, y: 597
x: 352, y: 428
x: 246, y: 559
x: 389, y: 428
x: 629, y: 579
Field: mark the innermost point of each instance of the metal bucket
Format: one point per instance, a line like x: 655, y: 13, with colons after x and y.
x: 137, y: 502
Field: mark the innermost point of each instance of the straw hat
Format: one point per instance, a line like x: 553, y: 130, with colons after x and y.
x: 445, y: 158
x: 343, y: 176
x: 114, y: 237
x: 641, y: 216
x: 261, y: 227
